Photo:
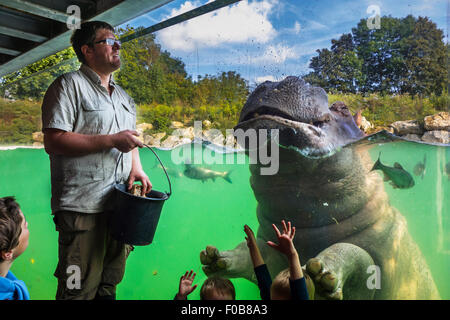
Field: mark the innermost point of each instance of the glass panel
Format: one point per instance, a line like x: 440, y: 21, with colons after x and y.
x: 190, y: 83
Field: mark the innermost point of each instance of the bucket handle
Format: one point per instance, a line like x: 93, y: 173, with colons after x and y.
x: 168, y: 179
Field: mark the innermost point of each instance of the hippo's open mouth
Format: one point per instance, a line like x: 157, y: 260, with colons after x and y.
x: 302, y: 115
x: 309, y: 138
x: 279, y: 116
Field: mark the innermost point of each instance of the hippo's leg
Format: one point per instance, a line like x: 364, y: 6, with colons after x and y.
x: 234, y: 263
x: 340, y: 272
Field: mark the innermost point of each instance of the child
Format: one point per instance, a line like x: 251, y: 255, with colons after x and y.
x: 14, y: 236
x: 289, y: 283
x: 213, y: 288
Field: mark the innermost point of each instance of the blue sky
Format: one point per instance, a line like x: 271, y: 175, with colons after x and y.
x: 269, y: 39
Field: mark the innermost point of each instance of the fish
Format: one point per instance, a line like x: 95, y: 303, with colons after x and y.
x: 170, y: 171
x: 399, y: 177
x: 203, y: 174
x: 420, y: 168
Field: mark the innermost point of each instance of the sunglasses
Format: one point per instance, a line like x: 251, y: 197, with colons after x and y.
x: 109, y: 42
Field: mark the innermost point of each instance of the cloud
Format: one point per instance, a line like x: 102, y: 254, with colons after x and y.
x: 297, y: 27
x: 240, y: 23
x: 261, y: 79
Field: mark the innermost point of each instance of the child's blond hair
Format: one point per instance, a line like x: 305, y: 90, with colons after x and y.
x: 281, y: 287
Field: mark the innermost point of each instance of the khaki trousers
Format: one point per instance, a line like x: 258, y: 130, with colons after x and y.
x: 90, y: 262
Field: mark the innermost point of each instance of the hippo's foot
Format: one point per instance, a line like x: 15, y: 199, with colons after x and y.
x: 326, y: 283
x: 227, y: 264
x: 213, y: 262
x: 340, y: 272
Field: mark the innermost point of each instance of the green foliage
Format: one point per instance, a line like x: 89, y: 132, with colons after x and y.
x: 382, y: 110
x: 19, y: 119
x: 221, y: 117
x: 32, y: 81
x: 149, y: 74
x: 403, y: 56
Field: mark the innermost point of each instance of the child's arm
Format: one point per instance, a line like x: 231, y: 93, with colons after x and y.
x: 286, y: 246
x: 261, y: 271
x: 255, y: 254
x: 185, y: 287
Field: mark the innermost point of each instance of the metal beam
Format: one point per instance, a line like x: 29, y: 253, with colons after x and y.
x: 212, y: 6
x: 22, y: 34
x: 123, y: 12
x: 167, y: 23
x: 10, y: 52
x: 36, y: 9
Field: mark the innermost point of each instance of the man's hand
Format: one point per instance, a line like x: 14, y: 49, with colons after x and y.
x: 186, y: 287
x: 137, y: 174
x: 126, y: 140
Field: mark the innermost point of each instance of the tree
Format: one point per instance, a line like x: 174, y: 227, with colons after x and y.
x: 425, y: 59
x: 403, y: 56
x: 150, y: 74
x: 338, y: 69
x: 32, y: 81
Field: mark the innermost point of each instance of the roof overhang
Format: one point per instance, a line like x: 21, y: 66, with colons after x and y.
x: 34, y: 29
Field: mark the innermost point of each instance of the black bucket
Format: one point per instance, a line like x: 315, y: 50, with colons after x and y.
x: 135, y: 218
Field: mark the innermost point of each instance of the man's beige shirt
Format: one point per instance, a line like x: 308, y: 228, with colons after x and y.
x: 77, y: 102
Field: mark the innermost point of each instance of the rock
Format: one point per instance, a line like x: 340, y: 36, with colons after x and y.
x: 174, y: 141
x: 159, y: 135
x: 170, y: 142
x: 153, y: 143
x: 176, y: 125
x: 144, y: 126
x: 148, y: 138
x: 365, y: 125
x: 154, y: 140
x: 38, y: 136
x: 184, y: 133
x: 439, y: 121
x: 402, y: 128
x: 206, y: 124
x: 436, y: 136
x: 214, y: 136
x: 388, y: 129
x: 413, y: 137
x: 230, y: 141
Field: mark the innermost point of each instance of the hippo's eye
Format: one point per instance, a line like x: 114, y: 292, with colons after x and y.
x: 322, y: 121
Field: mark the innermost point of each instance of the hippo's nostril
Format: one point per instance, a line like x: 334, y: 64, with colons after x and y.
x: 318, y: 124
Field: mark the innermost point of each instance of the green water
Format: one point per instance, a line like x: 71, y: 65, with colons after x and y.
x: 199, y: 214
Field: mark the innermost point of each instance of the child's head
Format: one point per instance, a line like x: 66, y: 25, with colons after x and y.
x: 281, y: 289
x: 216, y: 288
x: 14, y: 232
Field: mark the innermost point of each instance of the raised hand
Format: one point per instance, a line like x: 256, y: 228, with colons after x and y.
x: 185, y: 287
x: 250, y: 238
x: 285, y: 240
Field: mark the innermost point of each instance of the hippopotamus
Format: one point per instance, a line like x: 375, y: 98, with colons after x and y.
x: 355, y: 244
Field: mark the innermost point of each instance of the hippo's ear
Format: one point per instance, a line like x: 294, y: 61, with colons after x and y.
x: 339, y: 108
x: 345, y: 121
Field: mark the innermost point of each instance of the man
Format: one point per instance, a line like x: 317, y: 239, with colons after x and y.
x: 87, y: 120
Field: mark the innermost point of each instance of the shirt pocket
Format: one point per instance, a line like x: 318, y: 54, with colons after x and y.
x: 91, y: 118
x: 129, y: 115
